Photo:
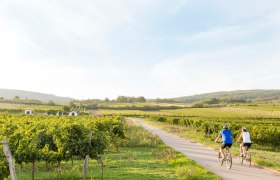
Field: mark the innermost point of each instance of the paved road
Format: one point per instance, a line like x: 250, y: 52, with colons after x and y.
x: 207, y: 157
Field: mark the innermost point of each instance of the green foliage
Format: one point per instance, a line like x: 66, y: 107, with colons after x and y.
x: 54, y: 139
x: 4, y: 166
x: 198, y: 105
x: 264, y: 128
x: 130, y: 99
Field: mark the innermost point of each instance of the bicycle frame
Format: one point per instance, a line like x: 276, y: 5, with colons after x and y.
x: 246, y: 156
x: 228, y: 158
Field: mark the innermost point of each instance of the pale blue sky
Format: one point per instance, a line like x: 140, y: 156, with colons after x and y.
x: 154, y: 48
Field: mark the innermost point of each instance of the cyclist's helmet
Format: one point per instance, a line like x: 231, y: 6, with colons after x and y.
x: 225, y: 127
x: 243, y: 129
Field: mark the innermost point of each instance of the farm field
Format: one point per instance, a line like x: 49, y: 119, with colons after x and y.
x: 140, y: 155
x: 19, y: 108
x: 266, y: 107
x: 198, y: 124
x: 203, y: 125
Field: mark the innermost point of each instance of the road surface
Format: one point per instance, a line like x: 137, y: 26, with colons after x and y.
x: 207, y: 157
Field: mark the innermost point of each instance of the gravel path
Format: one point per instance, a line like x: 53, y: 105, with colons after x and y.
x: 207, y: 157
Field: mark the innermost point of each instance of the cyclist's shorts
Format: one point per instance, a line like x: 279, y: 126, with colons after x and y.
x: 226, y: 145
x: 246, y: 144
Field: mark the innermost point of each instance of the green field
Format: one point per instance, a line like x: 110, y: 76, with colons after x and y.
x: 140, y: 156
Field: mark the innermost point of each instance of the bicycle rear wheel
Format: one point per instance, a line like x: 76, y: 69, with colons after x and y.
x: 248, y: 159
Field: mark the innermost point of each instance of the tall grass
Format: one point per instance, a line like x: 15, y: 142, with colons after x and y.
x: 136, y: 136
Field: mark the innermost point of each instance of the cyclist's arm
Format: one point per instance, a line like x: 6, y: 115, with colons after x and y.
x: 217, y: 138
x: 240, y: 137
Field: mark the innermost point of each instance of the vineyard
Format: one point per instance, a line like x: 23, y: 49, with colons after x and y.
x: 264, y: 127
x: 55, y: 139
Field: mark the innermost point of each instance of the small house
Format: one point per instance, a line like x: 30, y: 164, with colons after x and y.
x: 73, y: 113
x: 28, y: 112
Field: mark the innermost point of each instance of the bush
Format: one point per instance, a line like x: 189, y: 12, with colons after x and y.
x: 161, y: 119
x: 198, y: 105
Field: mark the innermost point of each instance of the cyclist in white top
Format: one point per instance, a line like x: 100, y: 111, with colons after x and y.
x: 245, y: 135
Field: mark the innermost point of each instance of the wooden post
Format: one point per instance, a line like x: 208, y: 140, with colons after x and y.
x: 85, y: 167
x: 9, y: 158
x: 33, y: 170
x: 86, y: 160
x: 99, y: 160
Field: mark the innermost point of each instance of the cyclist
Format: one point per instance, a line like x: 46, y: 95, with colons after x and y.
x: 245, y: 135
x: 227, y: 139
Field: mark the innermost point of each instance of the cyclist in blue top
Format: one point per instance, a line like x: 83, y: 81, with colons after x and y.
x: 227, y: 139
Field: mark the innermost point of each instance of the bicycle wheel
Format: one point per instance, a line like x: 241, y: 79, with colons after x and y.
x: 241, y: 159
x: 248, y: 159
x: 228, y: 161
x: 220, y: 159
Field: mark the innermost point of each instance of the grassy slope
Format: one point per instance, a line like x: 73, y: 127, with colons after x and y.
x: 130, y: 162
x: 259, y: 157
x: 244, y: 94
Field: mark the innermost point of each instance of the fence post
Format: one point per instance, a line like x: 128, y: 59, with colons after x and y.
x: 9, y: 158
x: 86, y: 160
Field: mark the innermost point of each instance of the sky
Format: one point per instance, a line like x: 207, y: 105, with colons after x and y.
x: 152, y: 48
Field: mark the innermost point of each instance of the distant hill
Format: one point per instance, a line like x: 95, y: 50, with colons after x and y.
x: 248, y: 95
x: 10, y: 94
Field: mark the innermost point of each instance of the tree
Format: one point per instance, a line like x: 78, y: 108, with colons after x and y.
x: 51, y: 103
x: 66, y: 109
x: 140, y: 99
x: 16, y: 98
x: 1, y: 98
x: 198, y: 105
x: 122, y: 99
x: 107, y: 100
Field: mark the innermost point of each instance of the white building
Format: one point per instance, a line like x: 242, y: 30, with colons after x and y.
x: 73, y: 113
x: 28, y: 112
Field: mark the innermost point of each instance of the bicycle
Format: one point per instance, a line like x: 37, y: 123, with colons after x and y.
x: 228, y: 158
x: 246, y: 156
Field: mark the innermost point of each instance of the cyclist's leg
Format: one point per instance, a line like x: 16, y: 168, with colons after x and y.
x: 248, y: 148
x: 244, y: 150
x: 222, y: 150
x: 241, y: 149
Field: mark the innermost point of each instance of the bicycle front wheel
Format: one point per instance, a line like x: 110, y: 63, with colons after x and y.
x: 220, y: 159
x: 228, y: 161
x: 241, y: 159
